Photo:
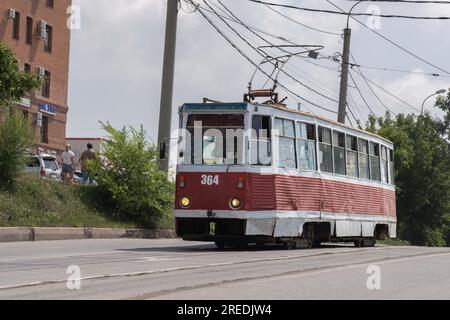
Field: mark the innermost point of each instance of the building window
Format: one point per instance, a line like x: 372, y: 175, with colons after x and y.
x: 306, y: 146
x: 44, y: 129
x: 25, y: 115
x: 27, y: 68
x: 48, y: 38
x: 339, y: 152
x: 325, y: 150
x: 352, y: 156
x: 50, y: 3
x: 363, y: 159
x: 375, y: 173
x: 16, y: 26
x: 261, y: 153
x: 286, y: 141
x: 29, y: 36
x: 46, y: 85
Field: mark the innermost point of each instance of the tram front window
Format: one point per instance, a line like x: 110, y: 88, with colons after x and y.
x: 215, y: 139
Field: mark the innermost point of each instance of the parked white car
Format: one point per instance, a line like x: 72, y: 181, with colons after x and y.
x: 45, y: 165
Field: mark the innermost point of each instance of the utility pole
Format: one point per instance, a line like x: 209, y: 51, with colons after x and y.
x: 344, y: 76
x: 165, y: 111
x: 344, y: 69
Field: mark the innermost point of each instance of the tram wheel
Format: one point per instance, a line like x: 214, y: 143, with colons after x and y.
x: 290, y: 245
x: 309, y: 236
x: 220, y: 245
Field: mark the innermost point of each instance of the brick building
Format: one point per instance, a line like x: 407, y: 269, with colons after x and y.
x: 37, y: 32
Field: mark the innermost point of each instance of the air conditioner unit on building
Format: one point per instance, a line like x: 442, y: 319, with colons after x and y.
x: 41, y: 73
x: 42, y: 29
x: 11, y: 13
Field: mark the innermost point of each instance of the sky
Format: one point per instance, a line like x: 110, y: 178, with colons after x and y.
x: 117, y: 55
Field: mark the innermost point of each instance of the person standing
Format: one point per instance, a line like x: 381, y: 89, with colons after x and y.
x: 68, y: 164
x: 87, y: 155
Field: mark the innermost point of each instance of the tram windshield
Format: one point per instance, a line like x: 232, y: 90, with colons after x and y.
x: 215, y: 139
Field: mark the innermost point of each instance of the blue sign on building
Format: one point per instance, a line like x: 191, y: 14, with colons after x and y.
x: 47, y: 108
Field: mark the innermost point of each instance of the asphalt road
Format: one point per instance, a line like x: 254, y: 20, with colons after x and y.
x: 173, y: 269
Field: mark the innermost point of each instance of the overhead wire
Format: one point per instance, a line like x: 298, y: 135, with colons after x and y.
x: 200, y: 10
x: 261, y: 54
x: 352, y: 14
x: 371, y: 89
x: 389, y: 40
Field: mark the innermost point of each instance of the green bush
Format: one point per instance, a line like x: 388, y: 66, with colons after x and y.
x: 129, y: 178
x: 16, y: 138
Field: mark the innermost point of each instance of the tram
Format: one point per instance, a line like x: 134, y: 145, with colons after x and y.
x: 258, y: 173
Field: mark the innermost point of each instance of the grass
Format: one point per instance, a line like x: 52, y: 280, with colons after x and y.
x: 395, y: 242
x: 36, y: 202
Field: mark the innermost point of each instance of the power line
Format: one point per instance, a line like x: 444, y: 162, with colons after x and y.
x: 200, y: 10
x: 261, y: 54
x: 370, y: 87
x: 360, y: 94
x: 405, y: 1
x: 352, y: 14
x: 301, y: 24
x: 399, y: 70
x: 390, y: 41
x: 229, y: 12
x: 389, y: 93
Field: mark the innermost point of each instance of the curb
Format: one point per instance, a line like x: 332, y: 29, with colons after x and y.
x: 40, y: 234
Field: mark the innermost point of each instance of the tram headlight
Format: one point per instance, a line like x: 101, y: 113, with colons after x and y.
x: 185, y: 202
x: 235, y: 203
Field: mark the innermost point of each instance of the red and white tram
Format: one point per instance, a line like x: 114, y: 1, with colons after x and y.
x: 262, y: 173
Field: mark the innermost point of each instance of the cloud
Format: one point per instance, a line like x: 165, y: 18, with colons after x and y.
x: 116, y: 59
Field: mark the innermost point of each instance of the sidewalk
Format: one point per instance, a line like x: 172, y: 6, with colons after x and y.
x: 39, y: 234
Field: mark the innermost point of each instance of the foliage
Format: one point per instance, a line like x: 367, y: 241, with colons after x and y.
x: 130, y: 177
x: 15, y: 131
x: 14, y: 84
x: 37, y: 202
x: 443, y: 125
x: 422, y: 171
x: 16, y: 138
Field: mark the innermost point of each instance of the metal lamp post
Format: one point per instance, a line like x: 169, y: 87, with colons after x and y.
x: 441, y: 91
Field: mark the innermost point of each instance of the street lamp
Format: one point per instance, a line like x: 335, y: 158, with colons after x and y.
x: 441, y: 91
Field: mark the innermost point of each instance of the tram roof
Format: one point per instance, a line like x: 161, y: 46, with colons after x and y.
x: 243, y: 106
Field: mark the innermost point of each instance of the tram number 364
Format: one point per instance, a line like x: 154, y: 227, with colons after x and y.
x: 209, y: 180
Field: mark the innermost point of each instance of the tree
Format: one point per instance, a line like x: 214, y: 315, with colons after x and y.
x: 130, y: 177
x: 14, y: 84
x: 15, y: 131
x: 443, y: 125
x: 422, y: 170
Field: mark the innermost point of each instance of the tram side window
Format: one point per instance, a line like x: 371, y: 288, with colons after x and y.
x: 261, y: 153
x: 339, y: 152
x: 352, y: 156
x: 363, y: 158
x: 391, y: 166
x: 325, y: 151
x: 306, y: 146
x: 286, y: 143
x: 384, y: 165
x: 375, y: 173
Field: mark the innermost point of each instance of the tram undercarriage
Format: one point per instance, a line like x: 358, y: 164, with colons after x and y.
x: 240, y: 232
